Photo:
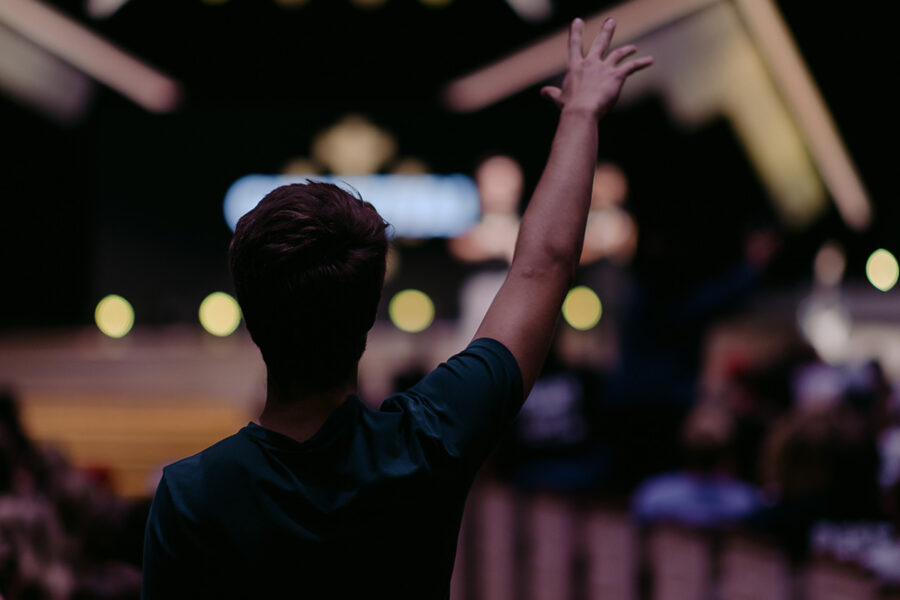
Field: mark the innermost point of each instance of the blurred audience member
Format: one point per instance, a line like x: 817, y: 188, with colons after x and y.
x: 820, y: 464
x: 63, y: 535
x: 651, y: 390
x: 18, y: 459
x: 705, y: 493
x: 32, y: 550
x: 758, y: 396
x: 553, y: 444
x: 862, y: 530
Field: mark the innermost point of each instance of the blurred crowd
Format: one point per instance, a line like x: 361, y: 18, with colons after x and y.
x: 799, y: 452
x: 796, y: 451
x: 64, y: 534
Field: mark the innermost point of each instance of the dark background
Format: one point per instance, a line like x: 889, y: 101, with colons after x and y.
x: 129, y: 202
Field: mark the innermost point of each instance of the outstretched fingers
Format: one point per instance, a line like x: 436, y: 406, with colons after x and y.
x: 636, y: 65
x: 576, y: 50
x: 617, y: 55
x: 601, y: 44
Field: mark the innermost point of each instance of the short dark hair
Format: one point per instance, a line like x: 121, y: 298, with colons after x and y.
x: 308, y: 267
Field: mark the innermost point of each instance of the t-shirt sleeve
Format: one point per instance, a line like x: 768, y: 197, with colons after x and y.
x: 462, y: 407
x: 166, y: 572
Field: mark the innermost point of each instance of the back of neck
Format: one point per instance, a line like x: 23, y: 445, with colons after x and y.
x: 299, y: 414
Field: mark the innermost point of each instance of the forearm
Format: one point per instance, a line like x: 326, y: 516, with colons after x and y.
x: 548, y: 247
x: 552, y: 231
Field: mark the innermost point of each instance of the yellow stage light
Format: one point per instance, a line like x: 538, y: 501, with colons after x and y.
x: 220, y: 314
x: 582, y: 308
x: 114, y: 316
x: 411, y: 311
x: 882, y: 270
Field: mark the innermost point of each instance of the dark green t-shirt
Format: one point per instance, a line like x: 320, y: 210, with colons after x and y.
x: 370, y: 506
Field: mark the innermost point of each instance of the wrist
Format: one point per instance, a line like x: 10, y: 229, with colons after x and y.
x: 579, y: 112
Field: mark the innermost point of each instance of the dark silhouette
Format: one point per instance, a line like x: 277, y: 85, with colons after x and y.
x: 325, y: 497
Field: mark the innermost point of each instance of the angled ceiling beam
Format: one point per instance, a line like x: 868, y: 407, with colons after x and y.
x: 546, y: 58
x: 102, y: 60
x: 775, y: 44
x: 42, y: 81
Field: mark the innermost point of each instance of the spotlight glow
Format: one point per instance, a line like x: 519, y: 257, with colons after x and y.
x: 416, y: 206
x: 882, y: 270
x: 300, y: 165
x: 354, y: 145
x: 114, y: 316
x: 582, y: 308
x: 411, y: 311
x: 220, y: 314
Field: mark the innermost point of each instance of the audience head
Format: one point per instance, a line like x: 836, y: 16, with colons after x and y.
x: 829, y: 456
x: 308, y: 266
x: 707, y: 438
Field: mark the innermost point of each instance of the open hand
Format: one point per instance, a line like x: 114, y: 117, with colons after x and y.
x: 592, y: 82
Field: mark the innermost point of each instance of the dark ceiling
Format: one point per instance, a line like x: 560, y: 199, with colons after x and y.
x: 129, y: 202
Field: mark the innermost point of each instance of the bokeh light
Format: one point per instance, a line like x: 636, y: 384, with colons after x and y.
x: 582, y: 308
x: 827, y: 327
x: 411, y: 311
x: 300, y: 165
x: 354, y: 146
x: 410, y: 165
x: 436, y: 3
x: 220, y: 314
x: 882, y: 270
x: 532, y: 11
x: 392, y: 263
x: 114, y: 316
x: 416, y: 206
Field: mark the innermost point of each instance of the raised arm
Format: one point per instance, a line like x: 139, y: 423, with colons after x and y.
x: 524, y: 313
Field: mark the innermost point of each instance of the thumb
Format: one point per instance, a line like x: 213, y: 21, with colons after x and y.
x: 552, y: 93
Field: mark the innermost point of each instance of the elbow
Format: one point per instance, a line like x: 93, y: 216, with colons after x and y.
x: 556, y: 267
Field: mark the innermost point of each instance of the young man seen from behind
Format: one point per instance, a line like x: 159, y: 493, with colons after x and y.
x: 326, y: 498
